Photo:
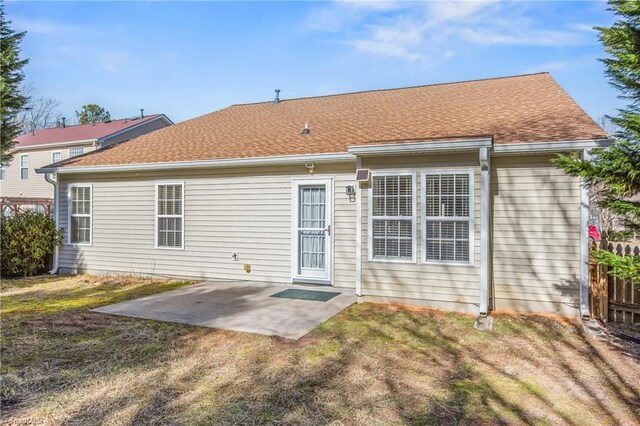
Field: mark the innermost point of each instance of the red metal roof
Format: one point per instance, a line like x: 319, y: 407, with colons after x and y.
x: 79, y: 132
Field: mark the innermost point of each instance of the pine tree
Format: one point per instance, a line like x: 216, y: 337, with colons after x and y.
x: 616, y: 169
x: 92, y: 113
x: 12, y: 99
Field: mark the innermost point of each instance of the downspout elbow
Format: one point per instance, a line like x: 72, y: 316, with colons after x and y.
x: 56, y: 255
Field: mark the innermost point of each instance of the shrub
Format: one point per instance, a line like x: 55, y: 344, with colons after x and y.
x: 26, y: 239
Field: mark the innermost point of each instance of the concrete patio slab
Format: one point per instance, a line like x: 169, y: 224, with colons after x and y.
x: 237, y: 306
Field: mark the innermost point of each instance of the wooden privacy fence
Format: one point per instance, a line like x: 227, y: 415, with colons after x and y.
x: 610, y: 298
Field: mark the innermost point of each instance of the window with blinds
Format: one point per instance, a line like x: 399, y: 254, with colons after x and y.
x: 448, y: 217
x: 392, y: 217
x: 170, y: 216
x: 80, y: 218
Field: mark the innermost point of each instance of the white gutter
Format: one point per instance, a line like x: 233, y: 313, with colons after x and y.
x: 54, y: 145
x: 584, y: 244
x: 420, y: 147
x: 231, y: 162
x: 531, y: 147
x: 56, y: 209
x: 485, y: 230
x: 359, y: 190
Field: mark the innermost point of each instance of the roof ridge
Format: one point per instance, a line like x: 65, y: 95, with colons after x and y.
x: 395, y: 88
x: 97, y: 122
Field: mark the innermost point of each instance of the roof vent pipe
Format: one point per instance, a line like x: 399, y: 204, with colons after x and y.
x: 306, y: 130
x: 141, y: 112
x: 277, y: 99
x: 64, y: 122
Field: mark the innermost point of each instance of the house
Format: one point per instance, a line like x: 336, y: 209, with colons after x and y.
x: 20, y: 185
x: 440, y: 195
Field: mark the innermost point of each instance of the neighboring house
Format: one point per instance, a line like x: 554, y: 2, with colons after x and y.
x: 440, y: 195
x: 34, y: 150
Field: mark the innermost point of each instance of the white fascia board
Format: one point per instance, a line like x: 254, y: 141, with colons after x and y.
x: 135, y: 126
x: 54, y: 145
x: 420, y: 147
x: 231, y: 162
x: 531, y: 147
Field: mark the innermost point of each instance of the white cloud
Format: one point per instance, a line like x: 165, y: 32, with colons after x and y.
x: 49, y: 28
x: 441, y: 11
x: 518, y: 37
x: 578, y: 26
x: 420, y: 31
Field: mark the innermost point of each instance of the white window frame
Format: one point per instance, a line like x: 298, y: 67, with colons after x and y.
x: 53, y: 153
x: 413, y: 217
x: 472, y: 208
x: 157, y: 217
x: 22, y: 167
x: 75, y: 147
x: 70, y: 215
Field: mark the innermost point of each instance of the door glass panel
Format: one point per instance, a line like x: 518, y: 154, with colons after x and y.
x: 312, y: 223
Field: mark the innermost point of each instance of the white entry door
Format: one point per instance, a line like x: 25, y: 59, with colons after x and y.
x: 312, y: 228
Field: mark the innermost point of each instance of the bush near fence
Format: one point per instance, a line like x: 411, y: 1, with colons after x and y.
x: 27, y: 240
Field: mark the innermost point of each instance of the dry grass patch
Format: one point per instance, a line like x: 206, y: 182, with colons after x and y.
x: 371, y: 364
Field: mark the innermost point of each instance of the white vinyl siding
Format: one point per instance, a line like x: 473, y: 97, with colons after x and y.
x: 36, y: 186
x: 392, y: 217
x: 170, y: 215
x: 440, y: 285
x: 241, y: 210
x: 447, y: 217
x: 536, y: 236
x: 74, y: 151
x: 80, y: 200
x: 24, y: 166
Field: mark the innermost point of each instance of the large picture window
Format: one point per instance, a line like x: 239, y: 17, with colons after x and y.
x: 80, y: 214
x: 170, y: 215
x: 392, y: 217
x: 448, y: 217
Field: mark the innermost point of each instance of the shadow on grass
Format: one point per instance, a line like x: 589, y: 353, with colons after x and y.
x: 370, y: 364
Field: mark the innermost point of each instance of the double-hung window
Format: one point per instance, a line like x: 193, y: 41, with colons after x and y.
x: 24, y: 166
x: 448, y: 217
x: 75, y: 151
x: 80, y: 218
x: 392, y: 217
x: 169, y: 215
x: 56, y: 156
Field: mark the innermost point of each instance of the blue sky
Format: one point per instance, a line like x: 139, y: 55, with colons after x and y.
x: 187, y: 59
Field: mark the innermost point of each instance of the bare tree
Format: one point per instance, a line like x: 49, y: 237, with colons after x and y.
x: 40, y: 113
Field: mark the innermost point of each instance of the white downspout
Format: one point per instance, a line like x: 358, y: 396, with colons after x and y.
x: 358, y: 232
x: 56, y: 209
x: 584, y: 244
x: 485, y: 230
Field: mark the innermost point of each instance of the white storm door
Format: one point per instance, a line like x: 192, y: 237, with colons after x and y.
x: 312, y: 230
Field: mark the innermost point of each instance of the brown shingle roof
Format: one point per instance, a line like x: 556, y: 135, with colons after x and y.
x: 528, y: 108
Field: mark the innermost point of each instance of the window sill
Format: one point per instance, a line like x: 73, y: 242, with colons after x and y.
x: 168, y: 248
x: 386, y: 260
x: 447, y: 263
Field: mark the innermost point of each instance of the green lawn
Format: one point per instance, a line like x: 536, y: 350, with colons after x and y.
x: 371, y: 364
